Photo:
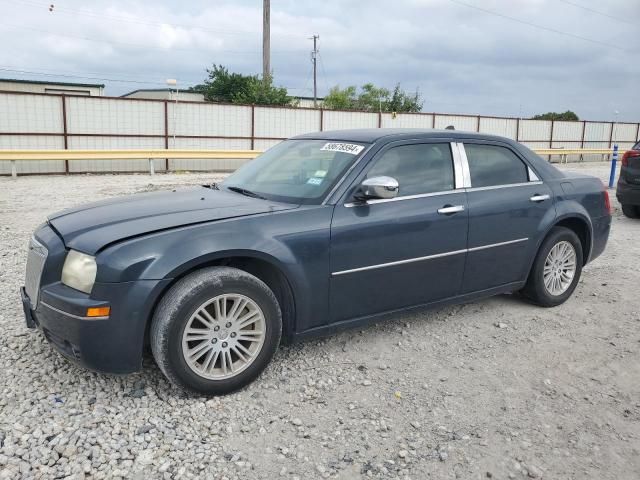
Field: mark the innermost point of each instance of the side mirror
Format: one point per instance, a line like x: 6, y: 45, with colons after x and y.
x: 378, y: 188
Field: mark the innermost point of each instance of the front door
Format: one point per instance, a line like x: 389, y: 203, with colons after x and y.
x: 405, y: 251
x: 507, y: 203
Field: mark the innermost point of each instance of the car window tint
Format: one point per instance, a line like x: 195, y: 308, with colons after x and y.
x: 490, y: 165
x: 420, y: 168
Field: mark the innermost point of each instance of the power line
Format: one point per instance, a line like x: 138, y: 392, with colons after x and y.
x: 540, y: 27
x: 324, y: 73
x: 87, y: 77
x: 597, y: 12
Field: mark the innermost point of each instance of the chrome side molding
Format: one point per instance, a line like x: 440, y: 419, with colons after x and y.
x: 428, y: 257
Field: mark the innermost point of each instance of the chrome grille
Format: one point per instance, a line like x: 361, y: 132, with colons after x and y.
x: 35, y: 263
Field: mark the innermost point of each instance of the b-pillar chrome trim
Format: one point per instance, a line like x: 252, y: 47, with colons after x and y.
x: 460, y: 155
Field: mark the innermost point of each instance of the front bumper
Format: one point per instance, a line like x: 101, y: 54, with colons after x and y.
x: 112, y: 344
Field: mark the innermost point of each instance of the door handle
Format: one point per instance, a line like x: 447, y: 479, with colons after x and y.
x: 539, y: 198
x: 450, y: 209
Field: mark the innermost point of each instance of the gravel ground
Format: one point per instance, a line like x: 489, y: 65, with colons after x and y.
x: 492, y: 389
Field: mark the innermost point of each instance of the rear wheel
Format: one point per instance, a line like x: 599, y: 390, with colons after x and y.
x: 631, y: 211
x: 216, y: 330
x: 556, y: 269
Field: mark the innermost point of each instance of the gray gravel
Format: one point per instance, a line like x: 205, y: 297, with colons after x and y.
x: 493, y: 389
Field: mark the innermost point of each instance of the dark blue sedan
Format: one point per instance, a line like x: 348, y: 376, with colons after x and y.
x: 324, y: 231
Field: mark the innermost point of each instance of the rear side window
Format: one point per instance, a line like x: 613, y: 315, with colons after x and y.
x: 420, y: 168
x: 491, y: 165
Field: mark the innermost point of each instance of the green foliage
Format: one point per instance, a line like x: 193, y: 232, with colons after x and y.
x: 373, y: 99
x: 340, y: 99
x: 568, y: 116
x: 224, y: 86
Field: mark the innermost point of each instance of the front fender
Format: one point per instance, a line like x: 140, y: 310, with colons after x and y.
x: 294, y: 241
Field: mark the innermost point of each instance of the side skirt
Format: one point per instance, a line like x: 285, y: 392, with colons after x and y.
x: 366, y: 320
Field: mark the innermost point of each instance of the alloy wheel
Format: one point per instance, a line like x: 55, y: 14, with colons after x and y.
x: 224, y: 336
x: 559, y: 268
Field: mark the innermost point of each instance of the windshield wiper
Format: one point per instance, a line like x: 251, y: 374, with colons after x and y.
x: 245, y: 192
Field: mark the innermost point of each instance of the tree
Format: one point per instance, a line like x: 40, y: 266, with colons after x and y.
x: 224, y: 86
x: 373, y: 99
x: 567, y: 116
x: 340, y: 99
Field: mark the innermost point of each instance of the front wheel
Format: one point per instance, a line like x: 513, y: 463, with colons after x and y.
x: 556, y: 269
x: 216, y: 330
x: 631, y: 211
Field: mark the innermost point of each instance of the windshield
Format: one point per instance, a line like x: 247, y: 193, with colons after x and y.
x: 295, y: 171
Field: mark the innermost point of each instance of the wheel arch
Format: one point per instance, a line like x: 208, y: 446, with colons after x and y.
x: 582, y: 228
x: 260, y: 265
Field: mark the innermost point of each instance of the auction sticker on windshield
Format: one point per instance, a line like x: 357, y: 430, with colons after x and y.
x: 349, y: 148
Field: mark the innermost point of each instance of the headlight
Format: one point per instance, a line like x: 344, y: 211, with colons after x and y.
x: 79, y: 271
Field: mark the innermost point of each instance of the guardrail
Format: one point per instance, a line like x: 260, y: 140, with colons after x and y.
x: 71, y: 155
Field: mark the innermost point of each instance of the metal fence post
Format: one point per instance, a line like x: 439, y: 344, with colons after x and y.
x: 14, y: 169
x: 253, y: 127
x: 166, y: 134
x: 65, y: 133
x: 152, y: 169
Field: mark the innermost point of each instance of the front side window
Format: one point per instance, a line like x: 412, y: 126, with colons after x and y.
x: 490, y: 165
x: 296, y: 171
x: 419, y: 168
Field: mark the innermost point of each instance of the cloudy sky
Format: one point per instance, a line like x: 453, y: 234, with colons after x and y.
x: 494, y: 57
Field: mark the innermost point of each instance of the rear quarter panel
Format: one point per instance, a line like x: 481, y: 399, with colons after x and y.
x: 583, y: 197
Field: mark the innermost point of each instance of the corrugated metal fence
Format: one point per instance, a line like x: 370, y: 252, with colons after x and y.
x: 43, y: 121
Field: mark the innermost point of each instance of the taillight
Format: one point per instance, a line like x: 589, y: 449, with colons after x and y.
x: 607, y: 201
x: 627, y: 155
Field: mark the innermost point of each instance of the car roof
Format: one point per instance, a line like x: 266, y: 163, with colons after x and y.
x: 371, y: 135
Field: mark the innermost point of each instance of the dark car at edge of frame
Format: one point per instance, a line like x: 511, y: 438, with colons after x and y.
x: 628, y: 188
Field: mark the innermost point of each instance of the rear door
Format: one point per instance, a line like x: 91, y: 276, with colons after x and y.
x: 395, y: 253
x: 507, y: 203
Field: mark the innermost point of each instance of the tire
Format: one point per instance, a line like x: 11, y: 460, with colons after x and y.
x: 535, y: 289
x: 227, y: 288
x: 631, y: 211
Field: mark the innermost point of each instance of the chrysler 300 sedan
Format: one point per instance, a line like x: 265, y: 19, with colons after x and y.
x: 323, y: 231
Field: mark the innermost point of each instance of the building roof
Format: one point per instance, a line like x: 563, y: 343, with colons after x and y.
x: 53, y: 82
x: 152, y: 90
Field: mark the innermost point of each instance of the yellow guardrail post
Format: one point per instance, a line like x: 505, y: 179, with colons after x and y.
x: 152, y: 170
x: 14, y: 169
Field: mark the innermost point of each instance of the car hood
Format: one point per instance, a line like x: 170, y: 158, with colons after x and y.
x: 90, y: 227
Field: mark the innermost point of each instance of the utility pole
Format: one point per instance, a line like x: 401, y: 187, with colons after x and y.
x: 266, y: 39
x: 314, y: 60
